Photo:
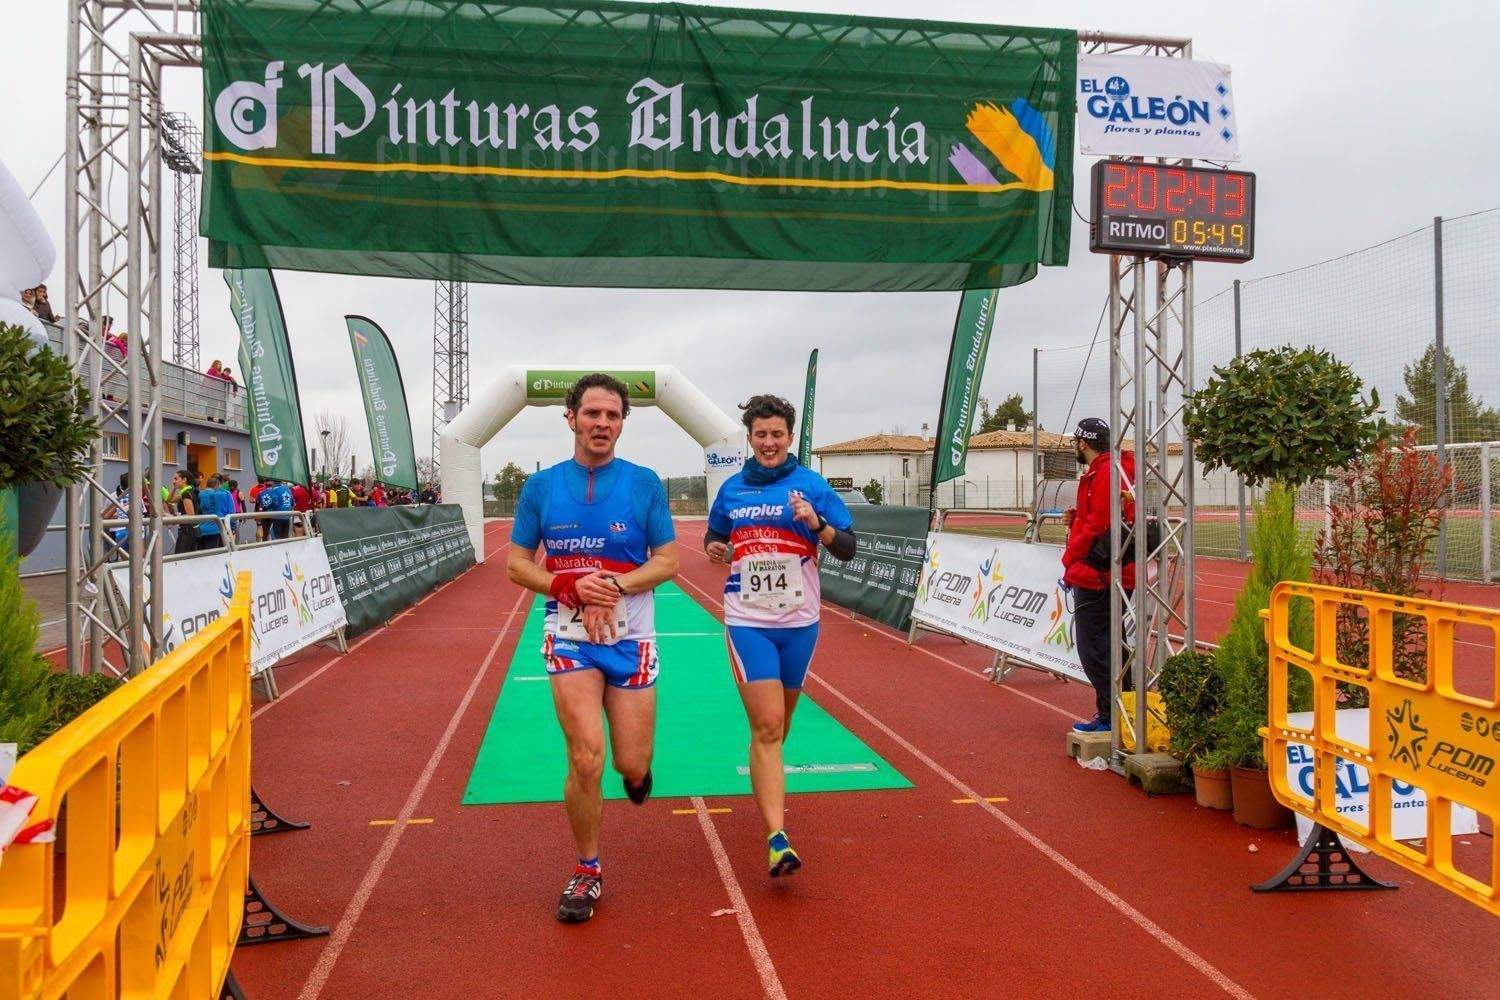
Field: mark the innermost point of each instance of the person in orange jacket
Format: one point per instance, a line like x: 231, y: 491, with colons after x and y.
x: 1087, y: 582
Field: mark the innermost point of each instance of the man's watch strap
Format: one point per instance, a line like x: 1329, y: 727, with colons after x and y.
x: 822, y: 523
x: 618, y: 585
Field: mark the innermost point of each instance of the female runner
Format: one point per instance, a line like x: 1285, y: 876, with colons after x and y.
x: 766, y: 524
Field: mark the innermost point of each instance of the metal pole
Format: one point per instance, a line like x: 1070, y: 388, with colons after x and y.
x: 1439, y: 382
x: 1036, y: 411
x: 1143, y: 622
x: 1485, y: 528
x: 1189, y: 472
x: 1238, y: 349
x: 155, y: 530
x: 134, y: 338
x: 1117, y: 408
x: 72, y: 558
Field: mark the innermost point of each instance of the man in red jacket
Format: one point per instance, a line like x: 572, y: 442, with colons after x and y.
x: 1087, y: 523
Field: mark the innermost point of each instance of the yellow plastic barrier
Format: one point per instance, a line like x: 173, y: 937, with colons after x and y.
x: 1422, y: 734
x: 156, y: 778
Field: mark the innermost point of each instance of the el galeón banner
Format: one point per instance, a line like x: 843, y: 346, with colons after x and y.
x: 634, y: 144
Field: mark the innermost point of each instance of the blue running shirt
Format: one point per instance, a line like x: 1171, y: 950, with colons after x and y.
x: 609, y: 518
x: 759, y: 523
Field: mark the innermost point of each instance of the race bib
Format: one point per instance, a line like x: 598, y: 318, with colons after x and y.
x: 772, y: 583
x: 570, y: 624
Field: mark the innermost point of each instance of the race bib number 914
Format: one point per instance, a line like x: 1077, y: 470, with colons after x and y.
x: 772, y: 583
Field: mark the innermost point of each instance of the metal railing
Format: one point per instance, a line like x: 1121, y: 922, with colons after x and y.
x: 184, y: 392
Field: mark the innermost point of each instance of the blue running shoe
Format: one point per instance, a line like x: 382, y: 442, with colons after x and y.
x: 1098, y: 724
x: 784, y: 860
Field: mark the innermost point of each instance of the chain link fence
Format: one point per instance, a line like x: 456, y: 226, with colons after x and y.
x: 1381, y: 310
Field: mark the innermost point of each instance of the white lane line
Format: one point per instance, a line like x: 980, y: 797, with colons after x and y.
x: 1148, y: 925
x: 770, y: 983
x: 1192, y: 958
x: 892, y: 634
x: 318, y: 978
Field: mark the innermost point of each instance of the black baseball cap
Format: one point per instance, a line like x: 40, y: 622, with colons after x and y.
x: 1094, y: 431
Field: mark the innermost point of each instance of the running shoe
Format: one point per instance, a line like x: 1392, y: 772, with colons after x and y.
x: 577, y: 902
x: 639, y: 793
x: 784, y: 860
x: 1098, y: 724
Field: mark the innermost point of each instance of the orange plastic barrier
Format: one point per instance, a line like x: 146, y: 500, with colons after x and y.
x: 156, y: 779
x: 1424, y: 734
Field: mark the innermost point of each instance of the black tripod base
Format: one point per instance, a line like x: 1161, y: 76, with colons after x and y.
x: 264, y: 922
x: 1323, y: 863
x: 264, y: 819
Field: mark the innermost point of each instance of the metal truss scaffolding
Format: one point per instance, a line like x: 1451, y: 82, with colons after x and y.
x: 1150, y: 374
x: 117, y: 50
x: 182, y: 151
x: 450, y: 357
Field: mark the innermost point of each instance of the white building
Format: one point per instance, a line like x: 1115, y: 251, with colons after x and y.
x: 999, y: 471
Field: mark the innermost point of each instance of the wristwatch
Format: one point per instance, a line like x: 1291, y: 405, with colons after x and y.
x: 822, y: 523
x: 618, y: 586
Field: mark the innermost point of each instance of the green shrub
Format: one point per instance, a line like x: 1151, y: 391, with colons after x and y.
x: 873, y: 492
x: 45, y: 429
x: 1278, y: 553
x: 1192, y: 692
x: 26, y: 699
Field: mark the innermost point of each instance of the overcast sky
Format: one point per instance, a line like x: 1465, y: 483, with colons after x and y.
x: 1362, y: 121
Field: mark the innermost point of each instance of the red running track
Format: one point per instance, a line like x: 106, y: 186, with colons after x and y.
x: 1073, y: 882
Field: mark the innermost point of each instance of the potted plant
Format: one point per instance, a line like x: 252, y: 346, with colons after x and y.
x: 1281, y: 418
x: 1192, y: 692
x: 45, y: 432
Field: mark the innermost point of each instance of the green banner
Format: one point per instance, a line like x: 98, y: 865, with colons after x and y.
x: 553, y: 383
x: 809, y: 395
x: 385, y: 558
x: 634, y: 144
x: 971, y: 341
x: 276, y: 437
x: 385, y: 403
x: 880, y: 582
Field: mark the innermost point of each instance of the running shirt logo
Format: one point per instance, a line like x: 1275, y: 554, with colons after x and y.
x: 618, y: 527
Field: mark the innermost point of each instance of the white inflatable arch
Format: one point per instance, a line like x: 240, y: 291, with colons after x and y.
x: 519, y: 386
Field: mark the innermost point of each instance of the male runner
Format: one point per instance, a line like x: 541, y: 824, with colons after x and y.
x: 606, y: 533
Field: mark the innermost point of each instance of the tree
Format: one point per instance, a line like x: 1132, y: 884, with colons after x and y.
x: 336, y: 445
x: 1468, y: 419
x: 1011, y: 412
x: 427, y: 471
x: 45, y: 429
x: 1286, y: 414
x: 508, y: 482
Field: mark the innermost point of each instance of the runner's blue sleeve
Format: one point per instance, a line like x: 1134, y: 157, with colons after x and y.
x: 832, y: 507
x: 526, y: 530
x: 718, y: 515
x: 651, y: 507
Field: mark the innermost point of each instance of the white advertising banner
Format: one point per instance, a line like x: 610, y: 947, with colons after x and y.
x: 1155, y: 106
x: 1352, y: 784
x: 293, y: 599
x: 1003, y: 594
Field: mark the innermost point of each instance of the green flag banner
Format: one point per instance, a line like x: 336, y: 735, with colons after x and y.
x: 270, y: 378
x: 634, y: 144
x: 809, y: 394
x: 385, y: 403
x: 971, y: 341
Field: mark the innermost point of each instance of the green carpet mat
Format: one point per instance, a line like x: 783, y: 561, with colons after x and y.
x: 702, y: 738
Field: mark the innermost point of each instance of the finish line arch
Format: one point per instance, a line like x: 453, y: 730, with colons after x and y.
x: 520, y: 386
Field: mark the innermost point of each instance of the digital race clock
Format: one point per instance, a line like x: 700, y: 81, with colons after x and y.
x: 1185, y: 212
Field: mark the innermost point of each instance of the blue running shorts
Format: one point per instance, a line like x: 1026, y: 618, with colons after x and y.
x: 628, y: 663
x: 771, y: 654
